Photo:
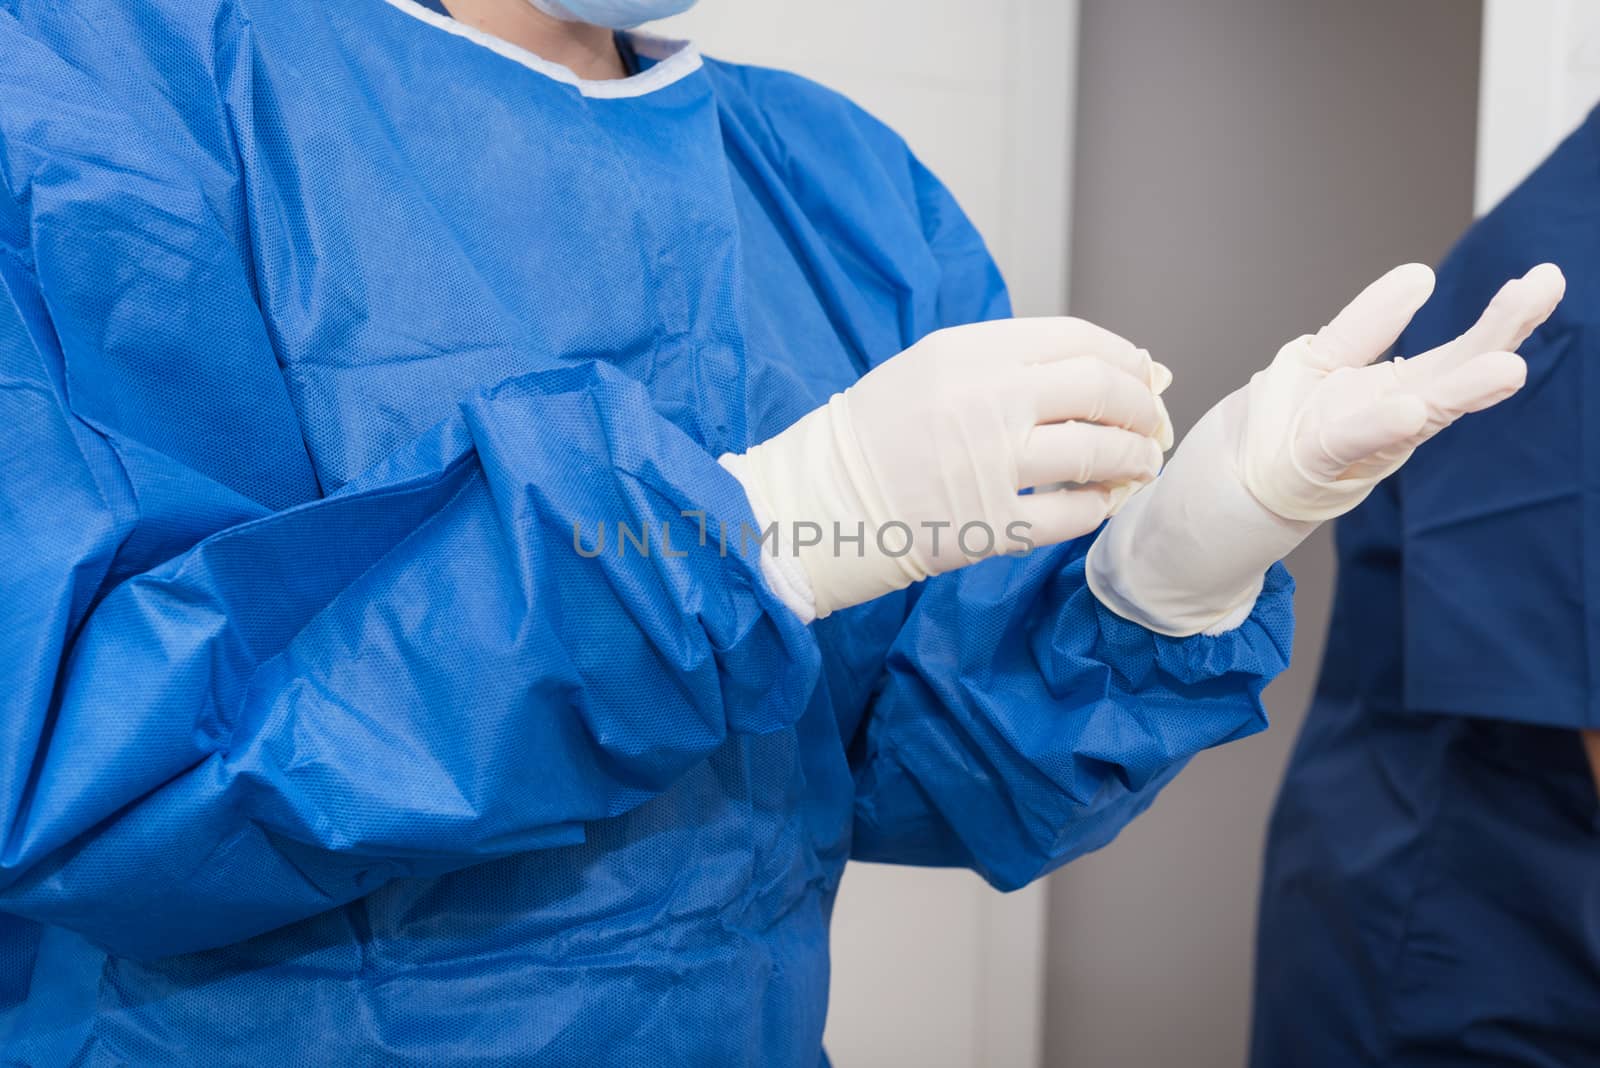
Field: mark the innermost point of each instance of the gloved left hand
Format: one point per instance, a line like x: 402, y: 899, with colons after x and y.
x: 917, y: 469
x: 1305, y: 441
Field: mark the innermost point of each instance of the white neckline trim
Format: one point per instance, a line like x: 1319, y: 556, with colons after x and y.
x: 675, y: 59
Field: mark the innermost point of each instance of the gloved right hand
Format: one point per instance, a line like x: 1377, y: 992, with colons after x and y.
x: 916, y: 469
x: 1307, y: 440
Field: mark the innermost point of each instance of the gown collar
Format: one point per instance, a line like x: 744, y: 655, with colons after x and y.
x: 670, y: 61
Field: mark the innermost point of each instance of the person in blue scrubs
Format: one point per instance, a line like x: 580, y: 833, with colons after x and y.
x: 1432, y: 886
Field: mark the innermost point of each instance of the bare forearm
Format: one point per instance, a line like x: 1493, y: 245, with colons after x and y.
x: 1591, y: 744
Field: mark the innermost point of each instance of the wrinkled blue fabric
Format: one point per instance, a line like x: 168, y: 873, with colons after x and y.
x: 1432, y: 888
x: 322, y: 329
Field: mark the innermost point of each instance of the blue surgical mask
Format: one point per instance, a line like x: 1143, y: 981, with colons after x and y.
x: 615, y: 14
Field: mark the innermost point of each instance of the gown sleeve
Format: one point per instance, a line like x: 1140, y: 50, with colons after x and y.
x: 229, y: 701
x: 1051, y: 724
x: 1018, y: 723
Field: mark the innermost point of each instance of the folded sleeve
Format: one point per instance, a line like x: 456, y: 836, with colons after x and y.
x: 229, y: 700
x: 1050, y: 724
x: 460, y: 657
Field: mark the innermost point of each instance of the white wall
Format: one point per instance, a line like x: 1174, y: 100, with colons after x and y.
x: 1541, y: 75
x: 933, y: 968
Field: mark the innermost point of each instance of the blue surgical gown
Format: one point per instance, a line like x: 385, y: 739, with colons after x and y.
x: 322, y: 327
x: 1432, y: 888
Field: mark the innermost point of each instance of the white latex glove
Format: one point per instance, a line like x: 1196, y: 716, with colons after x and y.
x: 1305, y: 441
x: 918, y: 465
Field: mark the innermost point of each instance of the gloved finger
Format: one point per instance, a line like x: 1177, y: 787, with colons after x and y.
x: 1084, y: 453
x: 1061, y: 515
x: 1050, y: 340
x: 1122, y: 492
x: 1372, y: 322
x: 1160, y: 378
x: 1515, y: 312
x: 1092, y: 391
x: 1334, y: 441
x: 1164, y: 434
x: 1480, y: 383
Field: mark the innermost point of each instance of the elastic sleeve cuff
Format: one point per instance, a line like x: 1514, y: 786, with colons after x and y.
x: 1258, y: 643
